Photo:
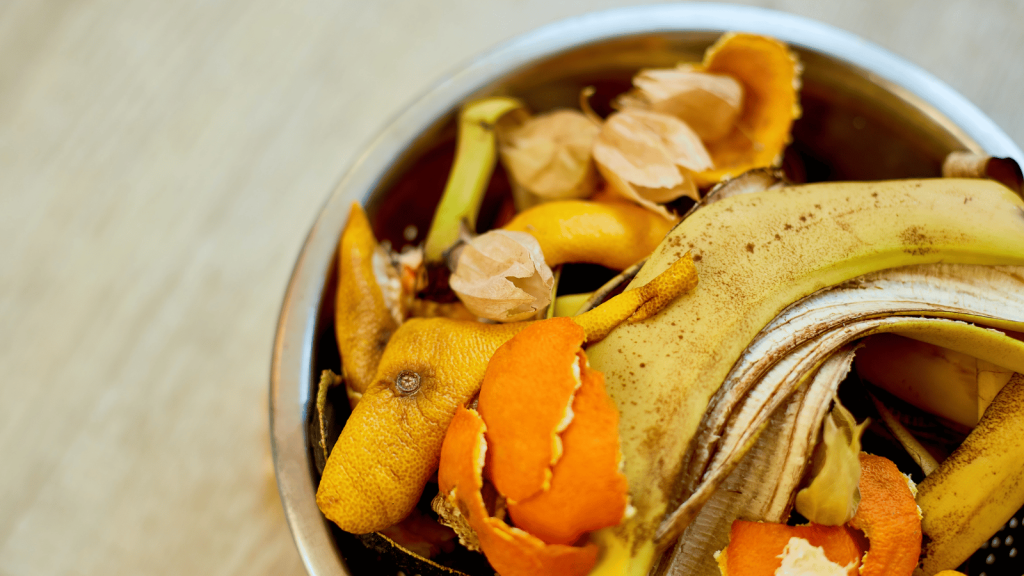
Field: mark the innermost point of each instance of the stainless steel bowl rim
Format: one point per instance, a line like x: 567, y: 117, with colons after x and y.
x: 293, y: 345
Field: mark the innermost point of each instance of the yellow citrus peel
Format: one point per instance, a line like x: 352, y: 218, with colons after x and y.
x: 613, y: 234
x: 770, y: 75
x: 363, y: 322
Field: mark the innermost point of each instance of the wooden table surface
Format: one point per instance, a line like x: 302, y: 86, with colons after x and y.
x: 160, y: 165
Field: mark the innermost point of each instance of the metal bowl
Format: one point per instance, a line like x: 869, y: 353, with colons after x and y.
x: 867, y: 115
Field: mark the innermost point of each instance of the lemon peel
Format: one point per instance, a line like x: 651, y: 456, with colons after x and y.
x: 363, y: 319
x: 613, y: 234
x: 770, y: 75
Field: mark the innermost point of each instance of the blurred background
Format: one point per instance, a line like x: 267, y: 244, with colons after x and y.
x: 160, y: 166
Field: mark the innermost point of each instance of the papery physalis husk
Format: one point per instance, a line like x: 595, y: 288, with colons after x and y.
x: 708, y: 103
x: 548, y: 156
x: 649, y: 157
x: 501, y: 275
x: 965, y: 164
x: 832, y: 496
x: 770, y: 75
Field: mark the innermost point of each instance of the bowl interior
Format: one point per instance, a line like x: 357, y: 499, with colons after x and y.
x: 855, y: 126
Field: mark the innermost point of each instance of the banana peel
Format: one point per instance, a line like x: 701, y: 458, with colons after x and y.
x: 475, y: 155
x: 761, y: 486
x: 978, y: 488
x: 756, y: 254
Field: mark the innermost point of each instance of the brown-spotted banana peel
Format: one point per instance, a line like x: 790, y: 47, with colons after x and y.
x: 773, y: 366
x: 764, y: 481
x: 978, y: 488
x: 756, y: 254
x: 745, y: 420
x: 992, y: 295
x: 988, y: 295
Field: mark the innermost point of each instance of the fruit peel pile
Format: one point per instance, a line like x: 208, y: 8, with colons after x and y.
x: 673, y: 427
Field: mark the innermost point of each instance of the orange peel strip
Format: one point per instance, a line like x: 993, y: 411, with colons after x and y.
x: 510, y: 551
x: 363, y: 324
x: 755, y: 547
x: 524, y: 399
x: 588, y: 491
x: 770, y: 75
x: 888, y: 516
x: 613, y: 234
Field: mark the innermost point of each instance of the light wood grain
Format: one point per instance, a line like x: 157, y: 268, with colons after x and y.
x: 160, y: 164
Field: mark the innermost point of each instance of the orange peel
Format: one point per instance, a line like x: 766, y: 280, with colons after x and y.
x: 889, y: 517
x: 770, y: 74
x: 613, y: 234
x: 526, y: 399
x: 363, y: 322
x: 510, y: 551
x: 391, y: 444
x: 755, y: 548
x: 587, y: 492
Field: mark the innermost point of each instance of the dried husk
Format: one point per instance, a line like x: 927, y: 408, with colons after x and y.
x: 548, y: 156
x: 649, y: 157
x: 708, y: 103
x: 770, y: 75
x: 832, y: 496
x: 974, y: 165
x: 325, y: 433
x: 501, y: 275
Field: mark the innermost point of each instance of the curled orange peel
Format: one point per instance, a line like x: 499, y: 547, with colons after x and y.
x: 888, y: 516
x: 755, y: 548
x: 363, y: 323
x: 526, y: 400
x: 613, y: 234
x: 511, y: 551
x: 770, y: 75
x: 587, y: 491
x: 390, y: 445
